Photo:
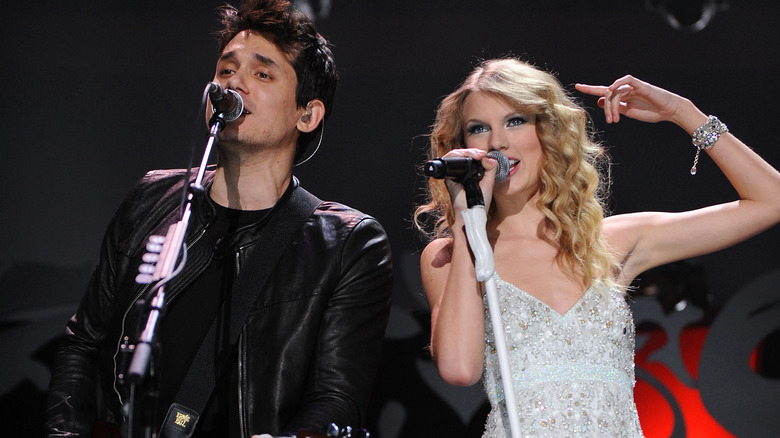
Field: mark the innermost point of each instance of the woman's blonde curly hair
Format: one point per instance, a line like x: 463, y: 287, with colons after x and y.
x: 572, y: 194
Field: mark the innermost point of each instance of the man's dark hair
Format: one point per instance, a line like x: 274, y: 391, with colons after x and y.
x: 295, y: 35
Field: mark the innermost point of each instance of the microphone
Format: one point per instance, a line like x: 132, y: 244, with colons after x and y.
x: 464, y: 168
x: 226, y: 101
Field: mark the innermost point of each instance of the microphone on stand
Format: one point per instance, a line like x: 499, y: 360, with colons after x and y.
x: 466, y: 168
x: 226, y: 101
x: 468, y: 172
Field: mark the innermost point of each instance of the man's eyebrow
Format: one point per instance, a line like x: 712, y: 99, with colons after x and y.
x: 228, y: 56
x: 265, y: 60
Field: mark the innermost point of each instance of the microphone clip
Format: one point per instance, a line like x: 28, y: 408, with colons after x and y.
x: 473, y: 192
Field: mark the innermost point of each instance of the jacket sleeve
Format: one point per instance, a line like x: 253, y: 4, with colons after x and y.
x: 352, y: 332
x: 74, y: 397
x: 71, y: 403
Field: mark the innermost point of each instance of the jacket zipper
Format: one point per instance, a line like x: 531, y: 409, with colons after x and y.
x: 242, y: 423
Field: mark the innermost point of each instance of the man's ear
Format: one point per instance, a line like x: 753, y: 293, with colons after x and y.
x: 311, y: 116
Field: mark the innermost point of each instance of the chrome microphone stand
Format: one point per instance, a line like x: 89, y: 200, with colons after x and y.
x: 160, y: 266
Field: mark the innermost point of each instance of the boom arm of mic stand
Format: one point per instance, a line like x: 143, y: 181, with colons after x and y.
x: 216, y: 124
x: 475, y: 219
x: 169, y: 255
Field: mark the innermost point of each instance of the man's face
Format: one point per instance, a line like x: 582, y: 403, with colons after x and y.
x: 264, y: 77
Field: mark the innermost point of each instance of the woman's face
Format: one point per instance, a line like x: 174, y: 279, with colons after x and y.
x: 490, y: 123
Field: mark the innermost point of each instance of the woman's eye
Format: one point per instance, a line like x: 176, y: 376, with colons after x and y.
x: 263, y: 75
x: 476, y: 129
x: 517, y: 121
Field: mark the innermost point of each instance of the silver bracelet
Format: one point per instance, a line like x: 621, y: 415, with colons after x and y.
x: 705, y: 136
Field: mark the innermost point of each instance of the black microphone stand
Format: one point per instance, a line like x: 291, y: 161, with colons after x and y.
x: 165, y: 250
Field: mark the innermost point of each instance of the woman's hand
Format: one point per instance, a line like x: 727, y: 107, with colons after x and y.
x: 641, y: 101
x: 456, y: 189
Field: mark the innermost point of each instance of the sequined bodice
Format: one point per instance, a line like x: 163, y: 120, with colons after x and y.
x: 573, y: 374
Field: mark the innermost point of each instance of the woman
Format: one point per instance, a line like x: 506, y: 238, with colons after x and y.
x: 561, y: 267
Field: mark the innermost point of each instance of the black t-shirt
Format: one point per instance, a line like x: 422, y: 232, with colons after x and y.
x: 188, y: 319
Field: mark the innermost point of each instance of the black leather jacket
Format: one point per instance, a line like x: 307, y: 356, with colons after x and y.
x: 311, y: 344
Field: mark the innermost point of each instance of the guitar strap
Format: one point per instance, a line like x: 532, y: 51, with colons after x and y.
x: 201, y: 378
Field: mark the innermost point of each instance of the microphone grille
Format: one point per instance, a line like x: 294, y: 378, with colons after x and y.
x: 237, y: 109
x: 503, y: 164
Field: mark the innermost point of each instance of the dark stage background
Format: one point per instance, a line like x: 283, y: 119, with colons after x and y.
x: 98, y: 92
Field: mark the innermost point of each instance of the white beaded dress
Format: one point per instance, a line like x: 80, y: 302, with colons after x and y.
x: 573, y: 374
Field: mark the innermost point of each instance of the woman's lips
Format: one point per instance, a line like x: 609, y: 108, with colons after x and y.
x: 513, y: 166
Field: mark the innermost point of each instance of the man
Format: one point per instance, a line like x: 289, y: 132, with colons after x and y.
x: 309, y: 344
